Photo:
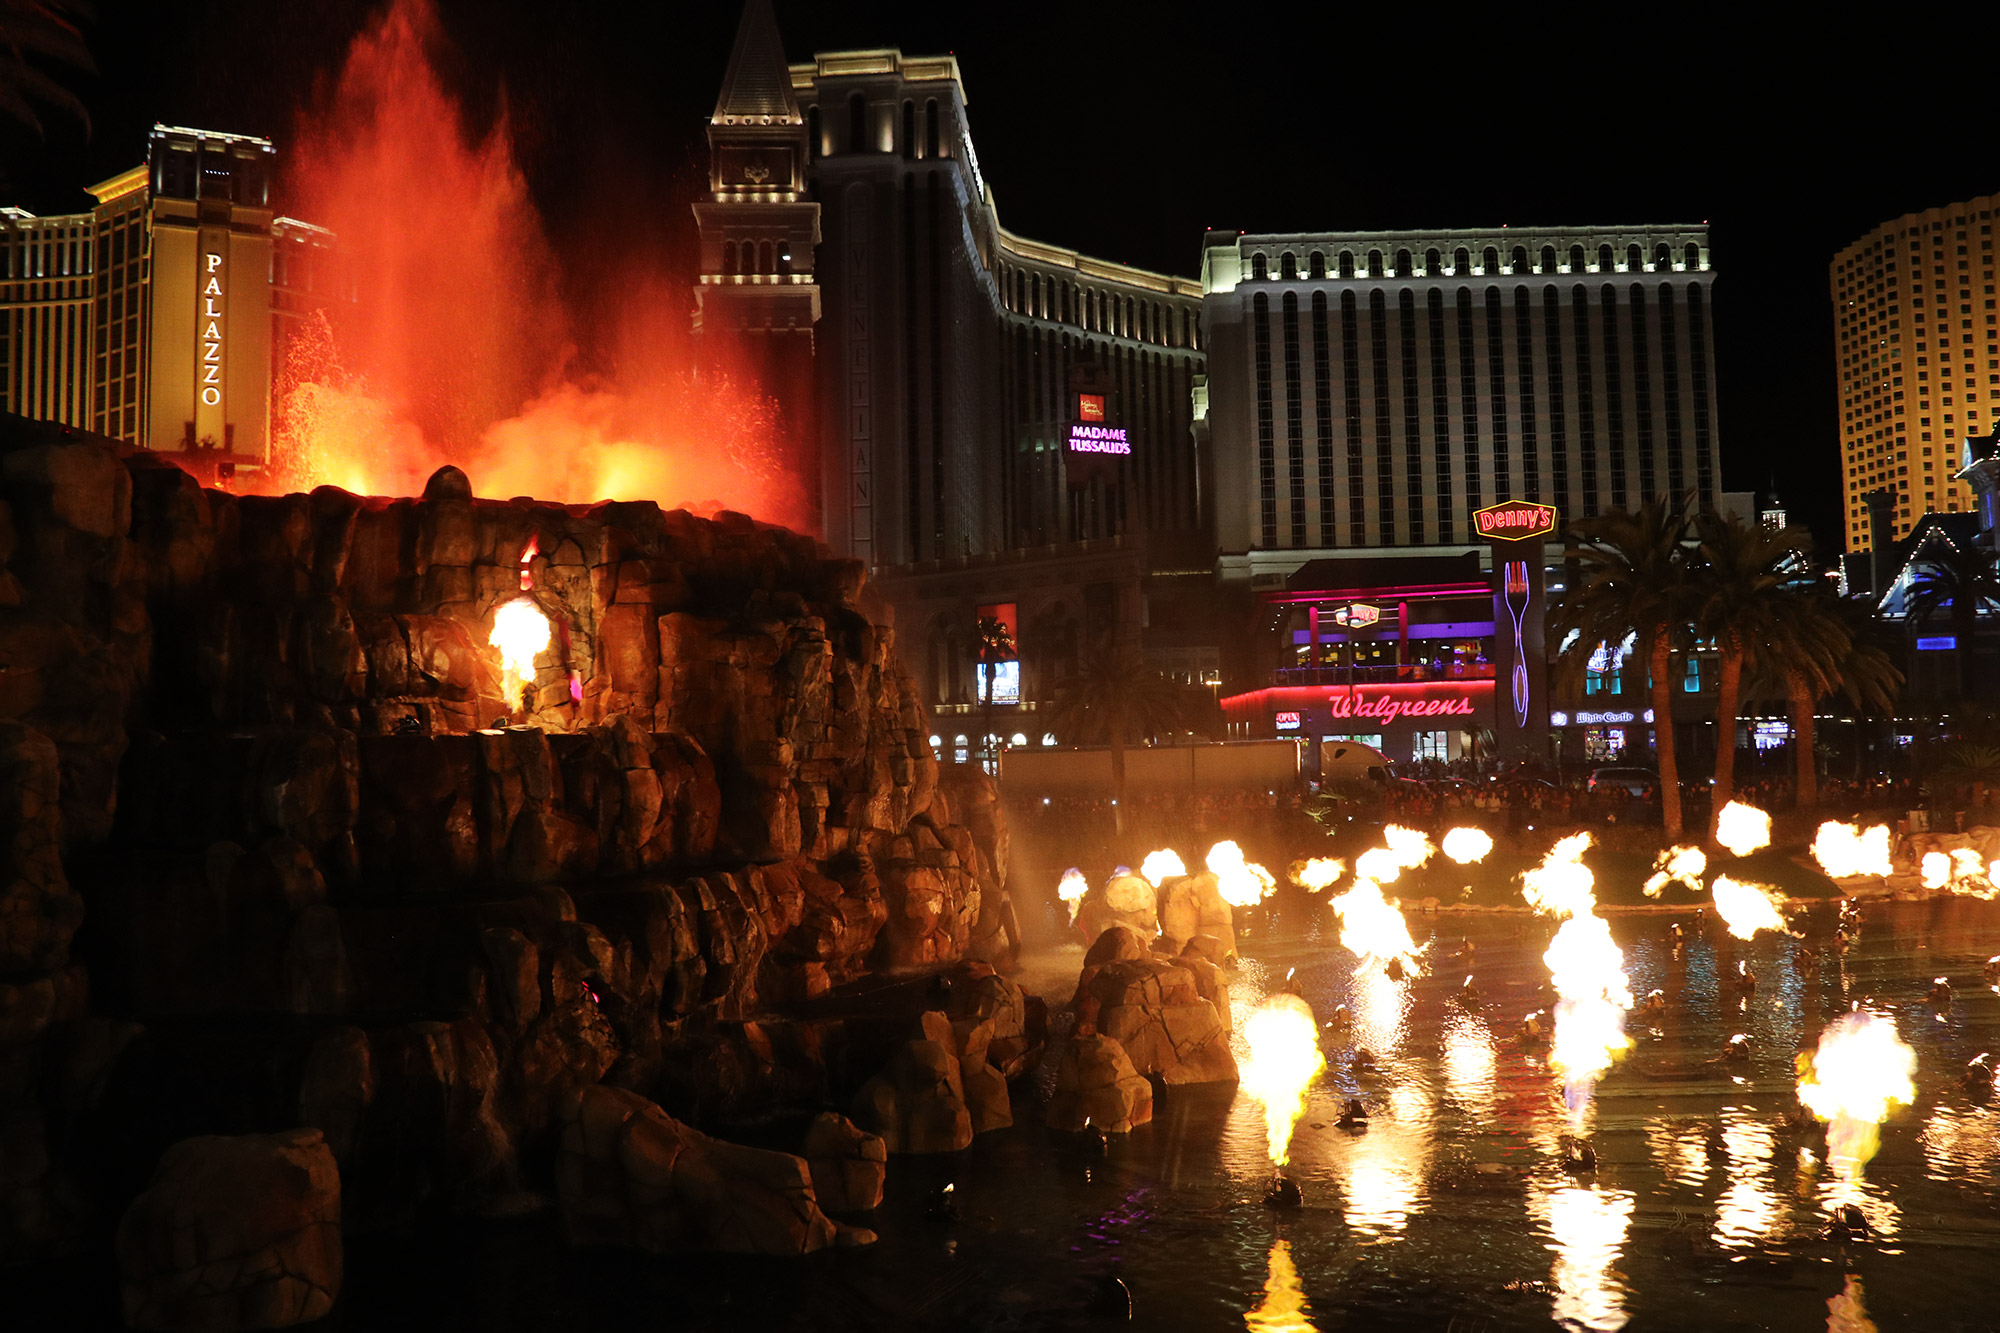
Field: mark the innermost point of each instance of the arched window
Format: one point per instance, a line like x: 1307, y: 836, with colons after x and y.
x: 1490, y: 261
x: 1403, y: 263
x: 1374, y: 263
x: 857, y: 123
x: 1520, y: 259
x: 909, y: 130
x: 1576, y: 259
x: 931, y: 129
x: 784, y: 257
x: 729, y: 257
x: 1431, y: 262
x: 1635, y: 259
x: 814, y: 149
x: 1663, y: 257
x: 1316, y: 266
x: 1288, y: 267
x: 1693, y: 257
x: 1604, y: 263
x: 1461, y: 261
x: 1346, y: 263
x: 1548, y: 259
x: 766, y: 262
x: 1258, y: 270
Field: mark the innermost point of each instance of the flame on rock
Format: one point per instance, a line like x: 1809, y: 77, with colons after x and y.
x: 1372, y: 929
x: 1127, y: 892
x: 1467, y: 846
x: 1284, y: 1060
x: 520, y: 631
x: 1072, y: 890
x: 1677, y: 865
x: 1861, y: 1071
x: 1845, y: 852
x: 1936, y: 870
x: 1319, y: 873
x: 1961, y: 871
x: 1746, y: 908
x: 1161, y: 866
x: 1742, y: 828
x: 1241, y: 883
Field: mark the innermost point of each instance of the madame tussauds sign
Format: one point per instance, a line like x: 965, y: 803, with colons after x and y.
x: 1384, y: 707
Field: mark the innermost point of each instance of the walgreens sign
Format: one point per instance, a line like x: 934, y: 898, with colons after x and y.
x: 1382, y: 706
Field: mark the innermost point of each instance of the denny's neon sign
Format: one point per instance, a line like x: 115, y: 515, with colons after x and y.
x: 1514, y: 520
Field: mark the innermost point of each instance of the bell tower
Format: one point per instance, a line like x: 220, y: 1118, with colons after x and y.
x: 756, y: 300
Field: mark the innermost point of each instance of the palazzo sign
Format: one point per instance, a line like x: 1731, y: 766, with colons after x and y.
x: 210, y: 382
x: 1514, y: 521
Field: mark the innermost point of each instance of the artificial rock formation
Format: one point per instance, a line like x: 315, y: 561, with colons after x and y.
x: 254, y: 739
x: 629, y: 1174
x: 1194, y: 906
x: 1096, y: 1085
x: 937, y: 1090
x: 234, y: 1233
x: 1126, y: 900
x: 849, y: 1165
x: 1157, y: 1013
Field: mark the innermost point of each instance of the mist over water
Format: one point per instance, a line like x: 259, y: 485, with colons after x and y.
x: 461, y: 344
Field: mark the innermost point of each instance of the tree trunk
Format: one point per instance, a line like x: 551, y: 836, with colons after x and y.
x: 1805, y: 761
x: 1726, y: 704
x: 1963, y: 626
x: 1663, y: 737
x: 986, y: 723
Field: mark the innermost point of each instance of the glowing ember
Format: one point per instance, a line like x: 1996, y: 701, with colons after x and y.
x: 1845, y: 852
x: 1371, y: 928
x: 1241, y: 883
x: 1319, y: 873
x: 1746, y: 908
x: 1072, y: 890
x: 1161, y: 866
x: 1742, y: 828
x: 1561, y: 885
x: 1677, y: 865
x: 520, y: 631
x: 1467, y: 846
x: 1284, y: 1060
x: 1861, y: 1071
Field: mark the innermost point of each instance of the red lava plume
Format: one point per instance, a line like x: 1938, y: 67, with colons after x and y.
x: 458, y: 345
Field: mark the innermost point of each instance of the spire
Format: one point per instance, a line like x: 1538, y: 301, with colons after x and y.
x: 757, y: 84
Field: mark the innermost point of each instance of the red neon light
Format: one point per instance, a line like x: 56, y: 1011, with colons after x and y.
x: 1381, y: 703
x: 1388, y: 594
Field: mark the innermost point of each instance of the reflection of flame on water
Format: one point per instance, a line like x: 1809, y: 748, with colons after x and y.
x: 1469, y: 1058
x: 1746, y: 908
x: 1677, y: 865
x: 1845, y: 852
x: 1861, y: 1070
x: 1680, y: 1150
x: 1742, y: 828
x: 1380, y: 1003
x: 1962, y: 1146
x: 1467, y: 846
x: 1748, y: 1210
x: 1072, y: 890
x: 1848, y: 1312
x: 1284, y: 1060
x: 1382, y: 1171
x: 1319, y: 873
x: 1284, y: 1307
x: 520, y: 631
x: 1241, y: 883
x: 1587, y: 969
x: 1161, y: 866
x: 1587, y: 1230
x: 1371, y: 928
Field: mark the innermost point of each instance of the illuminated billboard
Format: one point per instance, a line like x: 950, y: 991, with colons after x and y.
x: 1095, y: 441
x: 1514, y: 521
x: 1006, y: 681
x: 1286, y: 721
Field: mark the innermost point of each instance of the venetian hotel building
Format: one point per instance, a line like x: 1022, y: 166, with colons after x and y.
x: 1918, y: 364
x: 156, y: 316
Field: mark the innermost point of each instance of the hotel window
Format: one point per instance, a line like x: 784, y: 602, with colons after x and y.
x: 1350, y: 365
x: 1704, y: 446
x: 1642, y: 395
x: 1604, y: 261
x: 931, y: 129
x: 1614, y: 398
x: 1548, y: 259
x: 1461, y: 261
x: 1496, y: 368
x: 1576, y: 259
x: 1663, y: 258
x: 1403, y: 264
x: 1385, y: 447
x: 813, y: 145
x: 909, y: 130
x: 1413, y: 436
x: 1374, y: 263
x: 1670, y: 385
x: 1267, y: 468
x: 1524, y: 359
x: 729, y: 260
x: 1288, y: 267
x: 1258, y: 269
x: 1586, y: 404
x: 1468, y: 398
x: 1323, y: 415
x: 1431, y: 262
x: 1693, y: 257
x: 1346, y: 264
x: 1635, y: 259
x: 857, y: 123
x: 1440, y: 417
x: 1606, y: 680
x: 1558, y: 407
x: 1520, y: 262
x: 1490, y: 261
x: 1691, y: 676
x: 1316, y: 265
x: 1295, y: 420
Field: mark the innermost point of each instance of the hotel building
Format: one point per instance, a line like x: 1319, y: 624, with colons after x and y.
x: 1918, y: 365
x: 157, y: 316
x: 849, y: 237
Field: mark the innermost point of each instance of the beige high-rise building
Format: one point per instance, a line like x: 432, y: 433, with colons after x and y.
x: 1919, y: 362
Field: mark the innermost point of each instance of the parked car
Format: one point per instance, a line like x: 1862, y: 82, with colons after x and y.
x: 1638, y: 781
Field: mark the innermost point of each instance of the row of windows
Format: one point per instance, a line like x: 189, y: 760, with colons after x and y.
x: 1429, y: 510
x: 1489, y: 262
x: 819, y: 143
x: 1044, y: 296
x: 45, y: 254
x: 756, y: 257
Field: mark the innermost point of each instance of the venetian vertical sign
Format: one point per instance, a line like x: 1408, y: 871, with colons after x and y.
x: 211, y: 330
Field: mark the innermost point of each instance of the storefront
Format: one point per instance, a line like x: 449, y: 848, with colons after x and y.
x: 1407, y: 720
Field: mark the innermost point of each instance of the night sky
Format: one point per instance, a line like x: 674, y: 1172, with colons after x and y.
x: 1125, y: 129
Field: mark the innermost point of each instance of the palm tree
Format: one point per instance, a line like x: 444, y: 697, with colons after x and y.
x: 1963, y: 581
x: 1800, y: 660
x: 49, y: 31
x: 1870, y: 680
x: 1114, y: 697
x: 1740, y: 604
x: 995, y: 645
x: 1632, y: 580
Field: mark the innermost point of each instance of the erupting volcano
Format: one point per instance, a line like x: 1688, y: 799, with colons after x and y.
x: 466, y: 339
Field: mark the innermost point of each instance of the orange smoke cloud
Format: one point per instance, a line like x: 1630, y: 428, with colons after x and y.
x: 458, y: 345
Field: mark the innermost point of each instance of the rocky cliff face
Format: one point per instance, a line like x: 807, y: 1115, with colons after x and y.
x: 283, y: 849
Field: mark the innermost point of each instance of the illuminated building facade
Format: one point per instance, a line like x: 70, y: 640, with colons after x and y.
x: 950, y: 358
x: 157, y: 317
x: 1918, y: 369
